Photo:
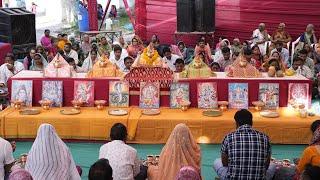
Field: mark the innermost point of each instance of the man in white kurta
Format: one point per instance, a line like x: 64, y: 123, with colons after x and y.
x: 122, y: 158
x: 6, y: 158
x: 259, y: 37
x: 117, y: 57
x: 169, y: 59
x: 9, y: 69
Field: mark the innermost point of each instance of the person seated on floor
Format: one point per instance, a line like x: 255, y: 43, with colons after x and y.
x: 104, y: 46
x: 309, y: 36
x: 70, y: 53
x: 28, y: 59
x: 6, y: 157
x: 197, y: 68
x: 136, y: 47
x: 117, y: 56
x: 204, y: 48
x: 180, y: 70
x: 236, y: 46
x: 20, y: 174
x: 48, y: 149
x: 149, y: 58
x: 226, y: 59
x: 242, y: 67
x: 90, y: 60
x: 122, y: 42
x: 100, y: 170
x: 86, y: 45
x: 169, y: 59
x: 309, y: 50
x: 40, y: 49
x: 104, y: 68
x: 273, y: 61
x: 180, y: 150
x: 215, y: 67
x: 63, y: 39
x: 218, y: 52
x: 245, y: 153
x: 78, y: 50
x: 299, y: 68
x: 311, y: 154
x: 303, y: 54
x: 283, y: 51
x: 38, y: 63
x: 259, y: 37
x: 280, y: 34
x: 188, y: 173
x: 9, y: 68
x: 76, y: 68
x: 122, y: 158
x: 128, y: 61
x: 257, y: 58
x: 184, y: 51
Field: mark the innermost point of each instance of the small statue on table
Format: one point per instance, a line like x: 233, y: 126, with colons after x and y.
x: 197, y: 68
x: 104, y: 68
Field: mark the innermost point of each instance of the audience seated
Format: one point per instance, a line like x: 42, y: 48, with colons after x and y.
x: 245, y: 153
x: 9, y: 68
x: 169, y: 59
x: 38, y: 63
x: 20, y: 174
x: 309, y: 36
x: 259, y: 37
x: 42, y: 51
x: 86, y: 45
x: 122, y: 43
x: 299, y: 68
x: 185, y: 52
x: 104, y: 46
x: 62, y: 40
x: 215, y: 67
x: 188, y: 173
x: 236, y: 46
x: 180, y: 150
x: 280, y: 34
x: 46, y: 40
x: 122, y: 158
x: 101, y: 170
x: 257, y: 58
x: 218, y: 53
x: 283, y: 51
x: 76, y: 68
x: 90, y: 60
x: 49, y: 157
x: 78, y: 50
x: 27, y: 61
x: 117, y: 56
x: 226, y: 59
x: 311, y: 155
x: 180, y: 70
x: 128, y: 61
x: 6, y: 157
x: 70, y: 53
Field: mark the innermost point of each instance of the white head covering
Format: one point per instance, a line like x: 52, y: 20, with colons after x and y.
x: 50, y: 158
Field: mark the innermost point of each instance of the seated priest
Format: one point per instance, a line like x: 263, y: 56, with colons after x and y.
x: 104, y: 68
x: 58, y: 67
x: 9, y: 68
x: 202, y: 47
x: 197, y: 68
x: 149, y: 57
x: 242, y: 67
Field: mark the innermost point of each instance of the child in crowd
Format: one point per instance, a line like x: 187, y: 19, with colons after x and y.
x: 180, y: 69
x: 128, y: 61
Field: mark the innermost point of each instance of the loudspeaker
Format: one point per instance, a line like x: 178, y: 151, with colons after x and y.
x: 185, y: 15
x: 17, y: 26
x: 205, y: 15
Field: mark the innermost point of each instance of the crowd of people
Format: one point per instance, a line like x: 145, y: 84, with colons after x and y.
x: 261, y: 52
x: 245, y: 154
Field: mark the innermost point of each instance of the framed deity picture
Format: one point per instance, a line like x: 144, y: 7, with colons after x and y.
x: 53, y: 90
x: 238, y: 95
x: 22, y: 90
x: 179, y: 92
x: 149, y: 95
x: 207, y: 95
x: 118, y: 94
x: 269, y: 94
x: 84, y: 91
x: 298, y: 94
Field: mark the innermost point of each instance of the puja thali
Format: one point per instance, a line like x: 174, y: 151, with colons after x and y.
x: 29, y: 112
x: 212, y: 113
x: 269, y: 114
x: 70, y: 111
x: 150, y: 112
x: 118, y: 112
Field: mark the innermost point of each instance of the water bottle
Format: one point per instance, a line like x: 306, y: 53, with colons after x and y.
x: 299, y: 70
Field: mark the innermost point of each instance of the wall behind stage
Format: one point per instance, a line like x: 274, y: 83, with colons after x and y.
x: 234, y: 18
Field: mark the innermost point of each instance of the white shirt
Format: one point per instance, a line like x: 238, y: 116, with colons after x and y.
x: 5, y: 156
x: 122, y: 158
x: 73, y: 54
x: 119, y: 62
x: 170, y: 62
x: 5, y: 73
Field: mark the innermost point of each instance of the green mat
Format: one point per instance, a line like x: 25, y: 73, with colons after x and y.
x: 85, y: 154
